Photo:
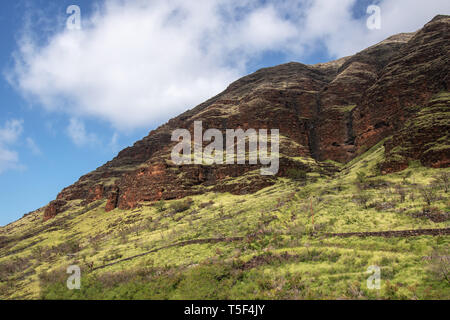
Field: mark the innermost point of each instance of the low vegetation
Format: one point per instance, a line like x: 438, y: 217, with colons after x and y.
x: 278, y: 243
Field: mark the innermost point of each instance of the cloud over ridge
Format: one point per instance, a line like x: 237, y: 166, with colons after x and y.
x: 9, y: 133
x: 139, y: 62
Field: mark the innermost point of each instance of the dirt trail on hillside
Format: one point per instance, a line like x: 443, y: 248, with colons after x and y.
x: 177, y: 244
x: 386, y: 234
x: 395, y: 233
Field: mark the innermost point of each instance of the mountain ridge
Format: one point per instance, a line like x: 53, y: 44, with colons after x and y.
x: 329, y: 111
x: 362, y: 184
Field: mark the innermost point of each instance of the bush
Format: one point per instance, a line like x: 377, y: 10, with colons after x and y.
x: 401, y: 192
x: 12, y: 266
x: 377, y: 168
x: 362, y: 198
x: 6, y: 288
x: 111, y: 256
x: 182, y: 205
x: 123, y: 235
x: 429, y: 194
x: 407, y: 175
x: 361, y: 176
x: 383, y: 206
x: 160, y: 205
x: 55, y: 276
x: 71, y: 246
x: 432, y: 213
x: 361, y: 180
x: 440, y: 265
x: 296, y: 174
x: 206, y: 204
x: 443, y: 179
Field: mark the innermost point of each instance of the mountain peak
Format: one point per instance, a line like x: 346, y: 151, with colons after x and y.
x: 327, y: 111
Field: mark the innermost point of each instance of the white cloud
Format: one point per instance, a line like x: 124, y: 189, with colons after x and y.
x: 140, y: 62
x: 33, y: 147
x: 144, y: 61
x: 332, y: 22
x: 77, y: 132
x: 113, y: 144
x: 8, y: 159
x: 9, y: 133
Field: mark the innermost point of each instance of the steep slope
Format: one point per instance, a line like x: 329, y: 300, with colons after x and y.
x: 341, y: 98
x: 264, y: 245
x: 412, y: 77
x: 430, y: 125
x: 363, y: 181
x: 332, y: 111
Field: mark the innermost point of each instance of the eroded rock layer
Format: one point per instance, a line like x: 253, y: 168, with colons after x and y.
x: 330, y: 111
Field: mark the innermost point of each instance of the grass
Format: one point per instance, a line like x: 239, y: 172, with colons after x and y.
x: 428, y: 119
x: 284, y: 254
x: 344, y: 109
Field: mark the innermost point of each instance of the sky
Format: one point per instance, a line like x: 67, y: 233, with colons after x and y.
x: 77, y: 88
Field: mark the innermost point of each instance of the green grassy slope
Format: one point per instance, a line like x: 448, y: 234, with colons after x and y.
x: 274, y: 244
x: 429, y: 125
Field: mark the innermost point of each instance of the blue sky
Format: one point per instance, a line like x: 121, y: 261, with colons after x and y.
x: 71, y: 99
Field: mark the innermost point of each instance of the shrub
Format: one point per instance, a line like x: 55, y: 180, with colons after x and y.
x: 123, y: 234
x: 406, y: 176
x: 362, y: 198
x: 429, y: 194
x: 401, y: 192
x: 296, y: 174
x: 37, y: 252
x: 443, y: 179
x: 55, y: 276
x: 160, y: 205
x: 182, y: 205
x: 361, y: 180
x: 390, y: 290
x: 211, y: 281
x: 69, y: 247
x: 206, y: 204
x: 14, y: 265
x: 383, y: 206
x: 6, y: 288
x: 432, y: 213
x: 95, y: 243
x: 377, y: 168
x: 440, y: 265
x: 112, y: 255
x: 361, y: 176
x: 412, y: 195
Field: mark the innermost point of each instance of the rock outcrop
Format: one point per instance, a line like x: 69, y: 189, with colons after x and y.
x: 333, y: 111
x: 419, y: 70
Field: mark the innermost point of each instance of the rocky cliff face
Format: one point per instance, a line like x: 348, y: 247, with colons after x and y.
x: 419, y: 70
x: 334, y: 111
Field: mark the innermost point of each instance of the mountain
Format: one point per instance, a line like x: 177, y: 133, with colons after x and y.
x: 331, y: 111
x: 363, y: 153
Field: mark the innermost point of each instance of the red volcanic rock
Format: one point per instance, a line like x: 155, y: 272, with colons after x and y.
x: 424, y: 137
x: 53, y: 208
x: 167, y: 181
x: 341, y: 97
x: 333, y: 110
x: 113, y: 199
x: 419, y: 70
x: 95, y: 193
